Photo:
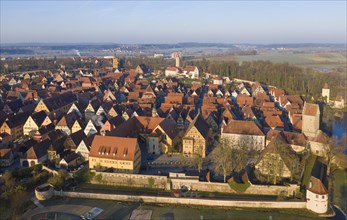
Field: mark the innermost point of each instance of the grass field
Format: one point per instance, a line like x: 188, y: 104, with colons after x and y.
x: 340, y: 189
x: 116, y: 210
x: 320, y: 61
x: 308, y: 169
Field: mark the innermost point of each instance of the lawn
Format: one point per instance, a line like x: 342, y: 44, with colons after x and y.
x: 116, y: 210
x: 340, y: 188
x: 308, y: 169
x: 239, y: 187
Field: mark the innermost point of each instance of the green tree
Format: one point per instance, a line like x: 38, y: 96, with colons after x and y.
x: 84, y: 176
x: 151, y: 182
x: 98, y: 178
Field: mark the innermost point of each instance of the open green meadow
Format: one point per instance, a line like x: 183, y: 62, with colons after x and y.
x: 320, y: 61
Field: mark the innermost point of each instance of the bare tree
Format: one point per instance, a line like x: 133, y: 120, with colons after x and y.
x: 222, y: 158
x: 333, y: 150
x: 198, y: 160
x: 242, y: 153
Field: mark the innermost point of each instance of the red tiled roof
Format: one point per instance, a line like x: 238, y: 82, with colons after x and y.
x: 310, y: 109
x: 116, y: 148
x: 242, y: 127
x: 316, y: 186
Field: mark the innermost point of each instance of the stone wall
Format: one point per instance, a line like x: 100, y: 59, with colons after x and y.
x: 161, y: 182
x: 187, y: 201
x: 134, y: 180
x: 224, y: 187
x: 44, y: 191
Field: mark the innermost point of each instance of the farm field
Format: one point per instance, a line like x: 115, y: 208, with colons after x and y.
x: 319, y: 61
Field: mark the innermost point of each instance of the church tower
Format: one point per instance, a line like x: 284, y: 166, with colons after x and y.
x: 326, y: 92
x: 177, y: 56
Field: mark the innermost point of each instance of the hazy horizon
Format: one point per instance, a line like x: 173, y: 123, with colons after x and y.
x: 157, y: 22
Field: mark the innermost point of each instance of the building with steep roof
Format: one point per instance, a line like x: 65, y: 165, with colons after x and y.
x: 196, y: 137
x: 244, y: 132
x: 326, y: 92
x: 316, y: 196
x: 278, y: 161
x: 120, y: 154
x: 310, y: 119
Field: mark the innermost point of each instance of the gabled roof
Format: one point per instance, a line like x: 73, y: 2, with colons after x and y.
x: 16, y: 120
x: 38, y: 151
x: 242, y: 127
x: 279, y: 146
x: 316, y: 186
x: 116, y: 148
x: 39, y: 117
x: 5, y: 153
x: 200, y: 124
x: 71, y: 157
x: 116, y: 121
x: 310, y: 109
x: 170, y: 128
x: 58, y: 101
x: 78, y: 136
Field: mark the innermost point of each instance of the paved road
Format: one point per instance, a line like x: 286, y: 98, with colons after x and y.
x: 339, y: 214
x: 68, y: 209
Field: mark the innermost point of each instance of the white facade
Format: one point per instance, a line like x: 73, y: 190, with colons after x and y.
x: 90, y: 129
x: 317, y: 148
x: 153, y: 145
x: 29, y: 126
x: 82, y: 149
x: 172, y: 73
x: 218, y: 81
x: 192, y: 74
x: 256, y: 142
x: 326, y: 93
x: 310, y: 122
x: 316, y: 203
x: 339, y: 103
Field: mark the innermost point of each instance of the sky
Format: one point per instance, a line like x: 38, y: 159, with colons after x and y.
x: 258, y: 22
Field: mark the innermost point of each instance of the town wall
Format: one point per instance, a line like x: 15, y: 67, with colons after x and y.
x: 160, y: 182
x: 132, y: 180
x: 187, y: 201
x: 195, y: 185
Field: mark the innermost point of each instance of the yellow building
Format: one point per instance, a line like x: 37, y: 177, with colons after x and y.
x: 121, y: 154
x: 14, y: 124
x: 195, y: 139
x: 56, y: 105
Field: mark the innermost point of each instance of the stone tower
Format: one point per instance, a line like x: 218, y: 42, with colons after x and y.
x: 177, y: 56
x: 310, y: 119
x: 326, y: 92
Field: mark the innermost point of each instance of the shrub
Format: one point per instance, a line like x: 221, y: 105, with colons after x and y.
x: 84, y: 176
x: 151, y: 182
x: 239, y: 187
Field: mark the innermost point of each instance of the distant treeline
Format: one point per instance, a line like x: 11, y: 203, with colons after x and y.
x: 295, y: 80
x: 15, y: 51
